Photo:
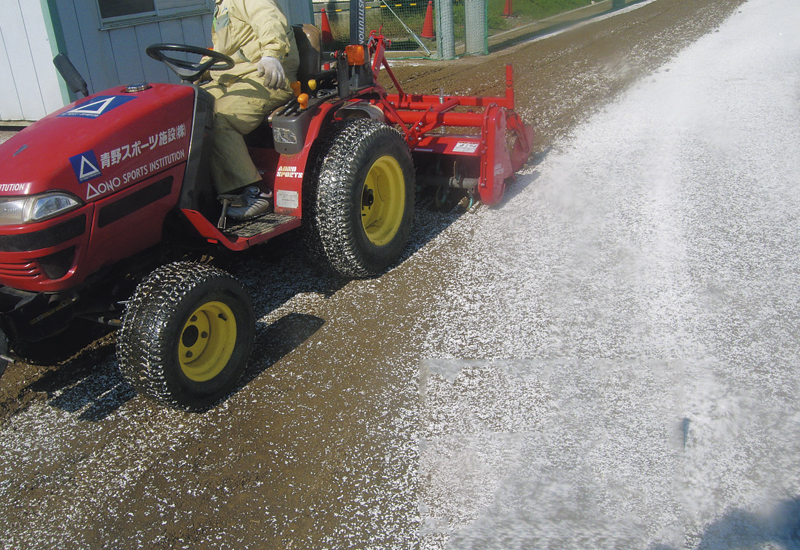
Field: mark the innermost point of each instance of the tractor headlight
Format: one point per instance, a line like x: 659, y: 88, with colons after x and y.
x: 19, y: 210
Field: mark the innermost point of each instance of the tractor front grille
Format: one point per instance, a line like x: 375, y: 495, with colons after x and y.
x: 25, y: 270
x: 45, y: 238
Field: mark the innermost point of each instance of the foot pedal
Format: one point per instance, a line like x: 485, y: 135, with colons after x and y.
x: 228, y: 200
x: 221, y: 224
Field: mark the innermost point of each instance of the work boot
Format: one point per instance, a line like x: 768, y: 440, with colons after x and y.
x: 251, y: 202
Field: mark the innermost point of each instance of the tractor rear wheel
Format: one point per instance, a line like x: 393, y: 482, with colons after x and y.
x: 186, y: 335
x: 359, y: 199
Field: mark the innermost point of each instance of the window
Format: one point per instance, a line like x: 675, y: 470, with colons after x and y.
x: 123, y: 13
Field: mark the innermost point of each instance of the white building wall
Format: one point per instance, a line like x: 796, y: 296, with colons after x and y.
x: 29, y: 87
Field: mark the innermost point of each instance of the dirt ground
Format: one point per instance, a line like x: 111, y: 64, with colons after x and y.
x: 559, y: 81
x: 322, y: 344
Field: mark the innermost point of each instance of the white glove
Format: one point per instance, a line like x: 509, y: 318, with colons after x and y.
x: 272, y: 71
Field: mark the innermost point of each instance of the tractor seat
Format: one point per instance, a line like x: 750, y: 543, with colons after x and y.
x: 309, y: 48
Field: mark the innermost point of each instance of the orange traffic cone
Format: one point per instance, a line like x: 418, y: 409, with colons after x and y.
x: 508, y: 11
x: 427, y: 27
x: 327, y: 35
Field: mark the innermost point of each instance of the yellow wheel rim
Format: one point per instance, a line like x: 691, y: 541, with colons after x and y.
x: 383, y: 200
x: 207, y: 341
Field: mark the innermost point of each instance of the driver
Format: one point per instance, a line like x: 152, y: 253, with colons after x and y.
x: 257, y: 35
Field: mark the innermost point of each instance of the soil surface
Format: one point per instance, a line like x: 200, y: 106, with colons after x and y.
x: 318, y: 448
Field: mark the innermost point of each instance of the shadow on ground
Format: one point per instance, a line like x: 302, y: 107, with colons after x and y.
x: 739, y: 529
x: 77, y: 371
x: 743, y: 530
x: 91, y: 385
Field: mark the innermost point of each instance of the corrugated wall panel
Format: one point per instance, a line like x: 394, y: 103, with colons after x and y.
x: 297, y: 12
x: 127, y: 57
x: 153, y: 70
x: 88, y: 48
x: 98, y: 47
x: 42, y: 52
x: 10, y: 108
x: 200, y: 35
x: 108, y: 58
x: 29, y: 88
x: 172, y: 31
x: 71, y: 32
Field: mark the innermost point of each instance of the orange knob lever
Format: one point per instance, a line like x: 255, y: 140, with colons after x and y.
x: 302, y: 99
x: 296, y: 87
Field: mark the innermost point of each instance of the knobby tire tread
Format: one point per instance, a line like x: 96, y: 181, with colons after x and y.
x: 142, y: 349
x: 333, y: 236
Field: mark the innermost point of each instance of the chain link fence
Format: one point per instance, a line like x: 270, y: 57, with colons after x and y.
x: 401, y: 21
x: 446, y: 29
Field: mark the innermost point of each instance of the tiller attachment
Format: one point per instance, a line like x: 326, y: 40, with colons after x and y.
x: 481, y: 160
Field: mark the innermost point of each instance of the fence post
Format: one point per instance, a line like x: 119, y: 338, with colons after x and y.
x: 445, y: 29
x: 476, y: 19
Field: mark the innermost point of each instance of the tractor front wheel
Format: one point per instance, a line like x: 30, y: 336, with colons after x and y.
x: 359, y: 198
x: 186, y: 335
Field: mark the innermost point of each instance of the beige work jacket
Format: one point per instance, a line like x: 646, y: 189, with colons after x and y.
x: 247, y: 30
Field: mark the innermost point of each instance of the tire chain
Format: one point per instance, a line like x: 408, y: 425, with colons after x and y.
x: 137, y: 356
x: 347, y: 140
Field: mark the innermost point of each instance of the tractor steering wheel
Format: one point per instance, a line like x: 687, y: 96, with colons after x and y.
x: 189, y: 71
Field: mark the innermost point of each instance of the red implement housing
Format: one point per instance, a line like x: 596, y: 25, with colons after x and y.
x: 421, y: 116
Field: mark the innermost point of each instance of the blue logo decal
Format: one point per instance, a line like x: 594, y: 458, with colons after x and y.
x: 85, y: 166
x: 98, y: 106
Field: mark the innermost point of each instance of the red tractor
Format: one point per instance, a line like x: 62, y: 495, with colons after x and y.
x: 106, y: 205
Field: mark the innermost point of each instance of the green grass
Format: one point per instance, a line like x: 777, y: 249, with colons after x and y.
x: 536, y: 9
x: 529, y: 10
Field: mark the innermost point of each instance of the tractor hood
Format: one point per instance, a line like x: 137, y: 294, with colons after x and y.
x: 100, y: 144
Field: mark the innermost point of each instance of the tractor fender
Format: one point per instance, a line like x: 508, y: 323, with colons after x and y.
x: 360, y: 109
